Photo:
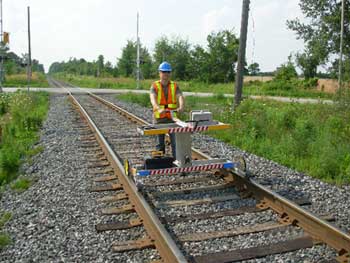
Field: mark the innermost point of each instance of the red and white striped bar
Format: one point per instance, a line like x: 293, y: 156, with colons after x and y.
x: 188, y: 129
x: 176, y: 170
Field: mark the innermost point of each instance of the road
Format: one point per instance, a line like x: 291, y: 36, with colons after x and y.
x: 198, y: 94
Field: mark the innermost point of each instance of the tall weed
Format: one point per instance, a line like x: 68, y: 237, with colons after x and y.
x: 19, y: 130
x: 20, y: 80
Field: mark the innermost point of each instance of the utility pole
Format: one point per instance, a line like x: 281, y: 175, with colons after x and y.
x: 138, y: 54
x: 2, y: 47
x: 29, y: 65
x: 341, y: 48
x: 241, y: 53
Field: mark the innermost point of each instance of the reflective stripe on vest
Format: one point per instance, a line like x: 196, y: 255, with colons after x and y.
x: 163, y: 102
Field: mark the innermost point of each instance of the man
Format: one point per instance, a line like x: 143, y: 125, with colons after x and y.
x: 165, y: 95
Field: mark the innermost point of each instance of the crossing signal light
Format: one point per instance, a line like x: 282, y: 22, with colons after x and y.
x: 6, y: 39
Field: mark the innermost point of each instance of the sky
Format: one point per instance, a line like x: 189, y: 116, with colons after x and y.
x: 61, y: 29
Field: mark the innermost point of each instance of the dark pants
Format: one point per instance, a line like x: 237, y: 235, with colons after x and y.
x: 161, y: 143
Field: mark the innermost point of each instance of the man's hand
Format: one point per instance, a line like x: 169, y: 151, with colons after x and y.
x: 158, y: 109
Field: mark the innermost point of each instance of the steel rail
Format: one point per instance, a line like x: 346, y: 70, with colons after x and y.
x: 163, y: 242
x: 319, y: 229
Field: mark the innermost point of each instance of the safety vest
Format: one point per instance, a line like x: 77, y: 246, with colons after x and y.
x: 165, y: 103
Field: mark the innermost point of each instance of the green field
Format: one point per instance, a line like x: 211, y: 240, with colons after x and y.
x: 20, y: 80
x: 310, y: 138
x: 296, y: 88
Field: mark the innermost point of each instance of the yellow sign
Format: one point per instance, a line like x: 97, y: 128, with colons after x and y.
x: 6, y: 39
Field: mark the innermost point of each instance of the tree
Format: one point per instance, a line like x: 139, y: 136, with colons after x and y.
x: 177, y: 52
x: 181, y: 58
x: 321, y: 32
x: 146, y: 64
x: 37, y: 67
x: 14, y: 64
x: 286, y: 72
x: 163, y: 51
x: 253, y: 69
x: 108, y: 68
x: 223, y: 52
x: 127, y: 62
x: 308, y: 63
x: 198, y: 67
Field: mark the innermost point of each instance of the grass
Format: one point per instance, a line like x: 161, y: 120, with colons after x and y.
x: 141, y: 99
x: 4, y: 238
x: 34, y: 151
x: 5, y: 217
x: 20, y: 80
x: 21, y: 184
x: 102, y: 83
x: 272, y: 88
x: 311, y: 138
x: 20, y: 125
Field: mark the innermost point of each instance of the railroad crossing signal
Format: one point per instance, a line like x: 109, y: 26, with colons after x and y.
x: 6, y: 38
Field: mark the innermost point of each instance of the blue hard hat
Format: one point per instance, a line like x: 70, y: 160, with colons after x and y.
x: 164, y: 66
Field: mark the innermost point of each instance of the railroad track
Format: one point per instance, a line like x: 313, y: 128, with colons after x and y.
x: 172, y: 209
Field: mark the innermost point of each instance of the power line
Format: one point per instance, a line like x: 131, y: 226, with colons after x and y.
x: 253, y: 35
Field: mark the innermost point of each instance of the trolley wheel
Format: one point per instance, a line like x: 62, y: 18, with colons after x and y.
x: 241, y: 163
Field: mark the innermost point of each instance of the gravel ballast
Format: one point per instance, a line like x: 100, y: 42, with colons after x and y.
x: 54, y: 220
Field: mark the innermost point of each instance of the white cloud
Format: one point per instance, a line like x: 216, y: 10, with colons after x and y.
x: 218, y: 19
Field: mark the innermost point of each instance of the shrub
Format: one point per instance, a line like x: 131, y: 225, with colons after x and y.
x: 4, y: 103
x: 219, y: 96
x: 308, y: 83
x: 286, y: 72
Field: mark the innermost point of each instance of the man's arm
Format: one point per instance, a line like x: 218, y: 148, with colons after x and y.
x: 153, y: 99
x: 181, y: 105
x: 180, y: 100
